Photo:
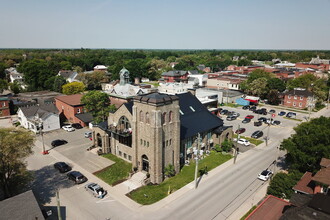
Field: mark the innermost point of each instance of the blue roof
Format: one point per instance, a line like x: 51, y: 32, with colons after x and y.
x: 196, y: 118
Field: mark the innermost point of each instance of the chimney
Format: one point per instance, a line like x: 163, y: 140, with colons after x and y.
x: 136, y: 80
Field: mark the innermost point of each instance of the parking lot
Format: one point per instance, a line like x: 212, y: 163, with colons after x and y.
x: 275, y: 131
x: 76, y: 149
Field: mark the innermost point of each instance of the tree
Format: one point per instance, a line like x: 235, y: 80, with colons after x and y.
x: 308, y: 145
x: 276, y: 84
x: 226, y: 145
x: 273, y: 97
x: 258, y: 87
x: 15, y: 145
x: 15, y: 87
x: 97, y: 103
x: 282, y: 183
x: 73, y: 88
x: 59, y: 82
x: 92, y: 80
x: 3, y: 67
x: 169, y: 170
x: 3, y: 85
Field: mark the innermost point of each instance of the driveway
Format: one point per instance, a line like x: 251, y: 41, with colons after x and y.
x: 76, y: 149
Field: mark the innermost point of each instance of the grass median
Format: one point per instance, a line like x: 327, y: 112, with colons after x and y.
x: 153, y: 193
x: 115, y: 173
x: 252, y: 140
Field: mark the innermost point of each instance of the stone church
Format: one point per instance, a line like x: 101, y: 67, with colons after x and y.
x: 155, y: 130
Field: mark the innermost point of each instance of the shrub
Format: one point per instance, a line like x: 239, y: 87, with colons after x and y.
x: 169, y: 170
x: 227, y: 145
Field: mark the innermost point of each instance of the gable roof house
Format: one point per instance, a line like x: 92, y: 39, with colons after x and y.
x: 36, y: 117
x: 68, y: 75
x: 298, y: 98
x: 72, y: 109
x: 155, y: 130
x: 175, y: 76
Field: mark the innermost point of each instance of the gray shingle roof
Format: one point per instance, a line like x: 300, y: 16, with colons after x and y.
x: 174, y: 73
x: 21, y: 207
x: 43, y: 110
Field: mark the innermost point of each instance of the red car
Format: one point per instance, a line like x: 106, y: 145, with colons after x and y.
x: 249, y: 116
x: 240, y: 131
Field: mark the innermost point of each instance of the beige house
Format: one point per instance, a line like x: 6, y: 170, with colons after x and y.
x: 155, y: 130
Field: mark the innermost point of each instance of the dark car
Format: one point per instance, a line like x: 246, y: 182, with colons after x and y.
x: 272, y: 111
x: 262, y: 119
x: 231, y: 117
x: 245, y: 107
x: 62, y: 167
x: 257, y: 123
x: 246, y: 120
x: 253, y: 108
x: 58, y: 142
x: 257, y: 134
x: 291, y: 115
x: 276, y: 122
x: 224, y: 111
x: 77, y: 177
x: 281, y: 113
x: 240, y: 131
x: 77, y: 126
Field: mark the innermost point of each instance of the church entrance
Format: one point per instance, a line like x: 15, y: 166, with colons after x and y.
x: 99, y: 140
x: 145, y: 163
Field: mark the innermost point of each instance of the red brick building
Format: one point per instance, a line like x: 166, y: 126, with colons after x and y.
x: 71, y: 107
x: 319, y: 66
x: 298, y: 98
x: 175, y: 76
x: 4, y: 106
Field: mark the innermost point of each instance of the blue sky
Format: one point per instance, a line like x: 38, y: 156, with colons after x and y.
x: 167, y: 24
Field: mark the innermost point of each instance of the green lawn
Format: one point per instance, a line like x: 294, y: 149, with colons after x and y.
x: 248, y: 213
x: 116, y: 172
x: 153, y: 193
x: 294, y: 119
x: 155, y: 84
x: 233, y: 105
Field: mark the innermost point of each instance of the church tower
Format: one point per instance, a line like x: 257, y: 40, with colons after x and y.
x: 124, y: 76
x: 156, y: 134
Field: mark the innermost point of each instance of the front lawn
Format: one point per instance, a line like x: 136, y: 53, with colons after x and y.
x: 153, y: 193
x: 294, y: 119
x: 116, y: 172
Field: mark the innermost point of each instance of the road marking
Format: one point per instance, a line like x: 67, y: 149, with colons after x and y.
x: 101, y: 201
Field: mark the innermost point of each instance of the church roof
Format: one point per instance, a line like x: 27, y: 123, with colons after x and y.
x: 195, y: 117
x: 156, y: 98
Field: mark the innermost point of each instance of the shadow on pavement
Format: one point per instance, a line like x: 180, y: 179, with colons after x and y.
x: 47, y: 181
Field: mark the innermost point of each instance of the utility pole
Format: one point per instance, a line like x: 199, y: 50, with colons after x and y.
x: 267, y: 137
x: 58, y: 205
x: 236, y: 150
x: 196, y: 157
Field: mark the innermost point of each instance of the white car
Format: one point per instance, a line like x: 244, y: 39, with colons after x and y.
x: 68, y: 128
x: 265, y: 175
x: 96, y: 190
x: 243, y: 142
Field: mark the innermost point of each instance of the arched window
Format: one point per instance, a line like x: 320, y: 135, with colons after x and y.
x: 170, y: 116
x: 147, y: 118
x: 124, y: 123
x: 164, y: 118
x: 141, y: 116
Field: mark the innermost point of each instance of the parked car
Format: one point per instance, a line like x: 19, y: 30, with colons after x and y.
x: 257, y: 134
x: 231, y: 118
x: 88, y: 134
x: 262, y: 119
x: 246, y: 107
x: 269, y: 121
x: 261, y: 111
x: 265, y: 175
x: 76, y: 126
x: 77, y: 177
x: 62, y: 167
x: 96, y: 190
x: 240, y: 131
x: 257, y: 123
x: 276, y: 122
x: 235, y: 114
x: 224, y: 111
x: 249, y: 116
x: 58, y: 142
x: 68, y: 128
x: 246, y: 120
x: 253, y: 108
x: 272, y: 111
x: 243, y: 142
x: 291, y: 115
x: 281, y: 113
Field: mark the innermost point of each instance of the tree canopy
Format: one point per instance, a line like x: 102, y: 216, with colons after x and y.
x: 15, y: 145
x: 98, y: 104
x: 73, y: 88
x: 308, y: 145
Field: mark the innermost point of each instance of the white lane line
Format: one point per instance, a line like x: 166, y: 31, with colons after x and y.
x: 101, y: 201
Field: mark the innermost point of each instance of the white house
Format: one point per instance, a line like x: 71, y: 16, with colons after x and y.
x: 69, y: 75
x: 33, y: 117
